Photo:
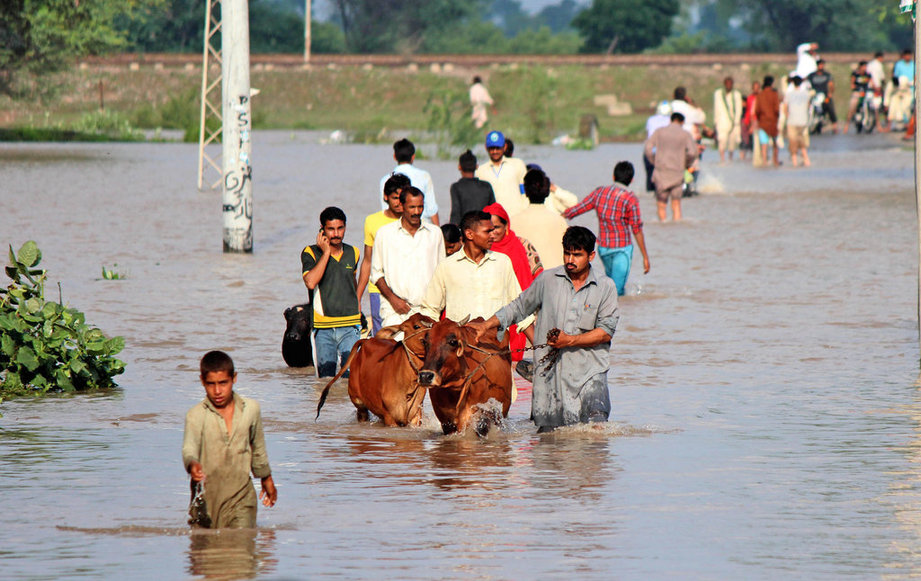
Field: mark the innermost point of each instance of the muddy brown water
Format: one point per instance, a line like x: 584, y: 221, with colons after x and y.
x: 765, y: 423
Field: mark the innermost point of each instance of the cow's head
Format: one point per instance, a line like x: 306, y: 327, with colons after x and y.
x: 414, y: 331
x: 298, y: 318
x: 445, y: 344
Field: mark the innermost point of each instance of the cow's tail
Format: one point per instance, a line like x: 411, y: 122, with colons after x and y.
x: 345, y: 366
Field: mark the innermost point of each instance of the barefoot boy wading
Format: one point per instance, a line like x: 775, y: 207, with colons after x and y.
x: 223, y: 443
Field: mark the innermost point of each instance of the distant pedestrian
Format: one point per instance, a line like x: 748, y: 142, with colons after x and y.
x: 470, y: 192
x: 504, y: 174
x: 797, y: 102
x: 406, y: 253
x: 329, y: 268
x: 672, y: 151
x: 479, y: 101
x: 404, y: 153
x: 767, y: 114
x: 806, y: 59
x: 749, y: 137
x: 392, y: 189
x: 660, y: 119
x: 223, y: 442
x: 727, y: 116
x: 618, y: 213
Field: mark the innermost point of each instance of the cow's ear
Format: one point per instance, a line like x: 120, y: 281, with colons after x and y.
x: 387, y: 332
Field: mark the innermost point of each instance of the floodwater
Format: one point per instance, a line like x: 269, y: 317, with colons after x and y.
x: 763, y: 379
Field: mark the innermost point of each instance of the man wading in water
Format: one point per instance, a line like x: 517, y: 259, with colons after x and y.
x: 578, y: 315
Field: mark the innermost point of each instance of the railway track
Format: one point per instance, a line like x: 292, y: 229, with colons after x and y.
x: 471, y: 61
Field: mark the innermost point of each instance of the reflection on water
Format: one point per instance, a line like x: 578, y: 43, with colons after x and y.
x: 764, y: 424
x: 231, y: 553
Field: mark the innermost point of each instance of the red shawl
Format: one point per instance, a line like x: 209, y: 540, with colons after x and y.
x: 512, y: 247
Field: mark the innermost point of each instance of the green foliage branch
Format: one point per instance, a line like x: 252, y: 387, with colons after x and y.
x: 45, y: 345
x: 449, y: 122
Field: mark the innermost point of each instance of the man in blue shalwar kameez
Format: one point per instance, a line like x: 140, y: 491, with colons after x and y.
x: 583, y: 307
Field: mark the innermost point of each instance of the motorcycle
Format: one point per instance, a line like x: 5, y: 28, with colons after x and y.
x: 868, y: 106
x: 818, y: 115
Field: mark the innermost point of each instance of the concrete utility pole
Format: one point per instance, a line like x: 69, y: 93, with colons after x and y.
x: 307, y: 20
x: 237, y: 132
x: 906, y: 6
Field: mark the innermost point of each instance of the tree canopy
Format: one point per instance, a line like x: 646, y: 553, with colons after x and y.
x: 610, y: 26
x: 45, y: 34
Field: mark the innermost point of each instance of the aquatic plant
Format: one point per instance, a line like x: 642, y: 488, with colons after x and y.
x: 45, y: 345
x: 113, y: 273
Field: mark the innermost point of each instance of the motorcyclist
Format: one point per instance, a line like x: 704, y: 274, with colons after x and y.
x: 823, y: 82
x: 860, y: 87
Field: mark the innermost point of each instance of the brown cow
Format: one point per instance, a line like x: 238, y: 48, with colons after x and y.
x: 461, y: 374
x: 383, y: 372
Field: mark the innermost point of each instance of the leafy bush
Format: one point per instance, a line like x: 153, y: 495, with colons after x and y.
x: 450, y: 122
x: 45, y: 345
x: 108, y: 123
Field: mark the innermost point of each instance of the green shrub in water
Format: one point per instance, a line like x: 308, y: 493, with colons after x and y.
x: 45, y: 345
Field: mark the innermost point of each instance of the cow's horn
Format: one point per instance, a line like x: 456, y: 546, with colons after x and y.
x: 464, y: 321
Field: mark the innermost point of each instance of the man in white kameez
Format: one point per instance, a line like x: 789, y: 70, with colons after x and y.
x: 479, y: 100
x: 727, y: 115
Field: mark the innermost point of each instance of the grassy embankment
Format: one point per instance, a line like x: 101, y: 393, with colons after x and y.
x: 534, y: 104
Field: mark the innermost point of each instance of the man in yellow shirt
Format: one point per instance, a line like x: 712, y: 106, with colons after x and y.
x: 392, y: 188
x: 475, y: 280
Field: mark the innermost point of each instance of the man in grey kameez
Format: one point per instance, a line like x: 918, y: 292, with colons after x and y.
x: 583, y: 307
x: 671, y: 150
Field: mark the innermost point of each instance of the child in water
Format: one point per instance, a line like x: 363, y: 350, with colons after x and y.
x: 223, y: 442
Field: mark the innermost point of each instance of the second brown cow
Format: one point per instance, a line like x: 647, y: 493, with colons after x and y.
x: 461, y: 374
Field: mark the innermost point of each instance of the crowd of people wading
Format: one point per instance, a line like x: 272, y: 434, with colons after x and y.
x: 476, y: 285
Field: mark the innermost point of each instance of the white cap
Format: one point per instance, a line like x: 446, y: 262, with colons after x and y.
x: 664, y: 108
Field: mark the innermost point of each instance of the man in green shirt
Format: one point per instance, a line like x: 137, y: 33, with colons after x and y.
x: 222, y: 443
x: 329, y: 269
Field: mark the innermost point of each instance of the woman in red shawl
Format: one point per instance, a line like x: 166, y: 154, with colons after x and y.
x: 505, y: 241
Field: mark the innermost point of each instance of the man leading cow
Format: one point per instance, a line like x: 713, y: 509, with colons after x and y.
x: 580, y: 308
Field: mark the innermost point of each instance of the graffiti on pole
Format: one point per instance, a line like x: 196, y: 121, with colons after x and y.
x: 238, y: 201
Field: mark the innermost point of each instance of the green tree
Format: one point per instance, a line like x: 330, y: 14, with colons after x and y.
x: 625, y: 26
x: 43, y: 35
x: 386, y: 26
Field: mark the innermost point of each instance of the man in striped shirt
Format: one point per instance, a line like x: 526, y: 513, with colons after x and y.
x: 618, y: 215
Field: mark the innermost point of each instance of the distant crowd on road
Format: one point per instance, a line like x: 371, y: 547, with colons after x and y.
x: 762, y: 121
